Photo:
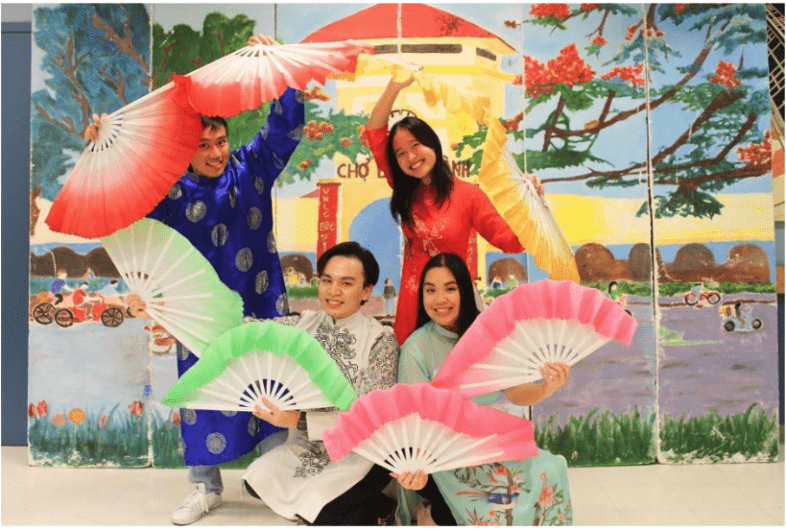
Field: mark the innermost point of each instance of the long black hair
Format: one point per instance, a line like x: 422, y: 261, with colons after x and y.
x: 403, y: 185
x: 468, y: 309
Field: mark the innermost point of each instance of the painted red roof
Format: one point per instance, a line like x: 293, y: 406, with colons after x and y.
x: 379, y: 22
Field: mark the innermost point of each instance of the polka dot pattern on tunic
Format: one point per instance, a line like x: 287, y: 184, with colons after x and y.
x: 229, y: 413
x: 196, y: 211
x: 219, y: 235
x: 254, y: 218
x: 188, y: 416
x: 232, y: 194
x: 282, y: 304
x: 175, y: 193
x: 262, y: 282
x: 271, y: 243
x: 259, y: 184
x: 244, y: 259
x: 253, y: 426
x: 216, y: 443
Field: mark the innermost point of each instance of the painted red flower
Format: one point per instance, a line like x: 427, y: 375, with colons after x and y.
x: 136, y: 408
x: 102, y: 420
x: 726, y: 75
x: 500, y: 470
x: 568, y: 68
x: 558, y: 11
x: 176, y: 418
x: 42, y: 408
x: 589, y: 7
x: 543, y: 476
x: 58, y: 419
x: 600, y: 41
x: 680, y: 8
x: 757, y: 154
x: 631, y: 74
x: 31, y: 411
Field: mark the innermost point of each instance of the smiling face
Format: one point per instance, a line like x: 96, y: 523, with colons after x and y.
x: 414, y: 158
x: 441, y: 298
x: 341, y: 290
x: 213, y: 154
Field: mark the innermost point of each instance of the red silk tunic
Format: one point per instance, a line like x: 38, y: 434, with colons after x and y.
x: 436, y: 230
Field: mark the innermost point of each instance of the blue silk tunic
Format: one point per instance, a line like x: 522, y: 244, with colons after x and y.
x: 229, y: 219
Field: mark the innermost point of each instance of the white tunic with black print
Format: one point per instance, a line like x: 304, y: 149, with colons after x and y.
x: 297, y: 478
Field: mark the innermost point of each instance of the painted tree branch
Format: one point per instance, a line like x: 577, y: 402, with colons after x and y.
x: 68, y: 63
x: 117, y: 84
x: 67, y: 124
x: 553, y: 126
x: 698, y: 62
x: 723, y: 99
x: 124, y: 44
x: 164, y: 62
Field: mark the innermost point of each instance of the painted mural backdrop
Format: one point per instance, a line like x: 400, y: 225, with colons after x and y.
x: 647, y: 125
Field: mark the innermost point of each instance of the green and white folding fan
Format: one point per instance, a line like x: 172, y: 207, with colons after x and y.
x: 263, y: 359
x: 181, y: 289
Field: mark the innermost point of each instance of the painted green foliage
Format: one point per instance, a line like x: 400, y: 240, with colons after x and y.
x: 723, y: 144
x: 183, y: 49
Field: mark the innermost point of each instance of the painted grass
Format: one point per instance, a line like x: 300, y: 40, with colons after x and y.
x: 121, y: 440
x: 600, y: 439
x: 748, y: 436
x: 604, y: 439
x: 168, y: 449
x: 304, y: 292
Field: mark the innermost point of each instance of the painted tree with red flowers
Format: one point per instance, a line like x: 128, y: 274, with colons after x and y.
x: 722, y: 146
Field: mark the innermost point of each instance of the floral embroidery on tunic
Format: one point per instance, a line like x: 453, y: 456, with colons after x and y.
x: 336, y: 342
x: 313, y: 462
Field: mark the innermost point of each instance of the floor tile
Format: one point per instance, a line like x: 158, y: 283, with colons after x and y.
x: 661, y: 517
x: 736, y: 518
x: 746, y: 494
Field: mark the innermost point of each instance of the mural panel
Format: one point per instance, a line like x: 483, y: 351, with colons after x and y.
x: 573, y: 86
x: 711, y: 157
x: 89, y: 380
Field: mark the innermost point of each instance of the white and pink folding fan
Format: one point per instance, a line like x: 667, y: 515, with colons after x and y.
x: 535, y: 323
x: 141, y: 152
x: 245, y: 79
x: 406, y: 428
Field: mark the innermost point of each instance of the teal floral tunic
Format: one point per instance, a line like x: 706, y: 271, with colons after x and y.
x: 529, y: 492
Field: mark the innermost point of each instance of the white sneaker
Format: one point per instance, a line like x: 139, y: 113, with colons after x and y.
x: 198, y: 503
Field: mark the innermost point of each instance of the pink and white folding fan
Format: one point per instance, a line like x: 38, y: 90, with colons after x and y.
x: 245, y: 79
x: 142, y: 150
x: 533, y: 324
x: 419, y: 427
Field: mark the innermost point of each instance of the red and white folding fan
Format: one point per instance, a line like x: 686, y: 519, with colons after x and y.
x: 406, y: 428
x: 178, y: 285
x: 141, y: 152
x: 245, y: 79
x: 535, y: 323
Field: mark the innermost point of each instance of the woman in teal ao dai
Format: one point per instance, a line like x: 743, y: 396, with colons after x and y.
x: 533, y: 491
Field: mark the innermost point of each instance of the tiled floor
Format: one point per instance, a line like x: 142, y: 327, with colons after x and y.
x: 645, y: 495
